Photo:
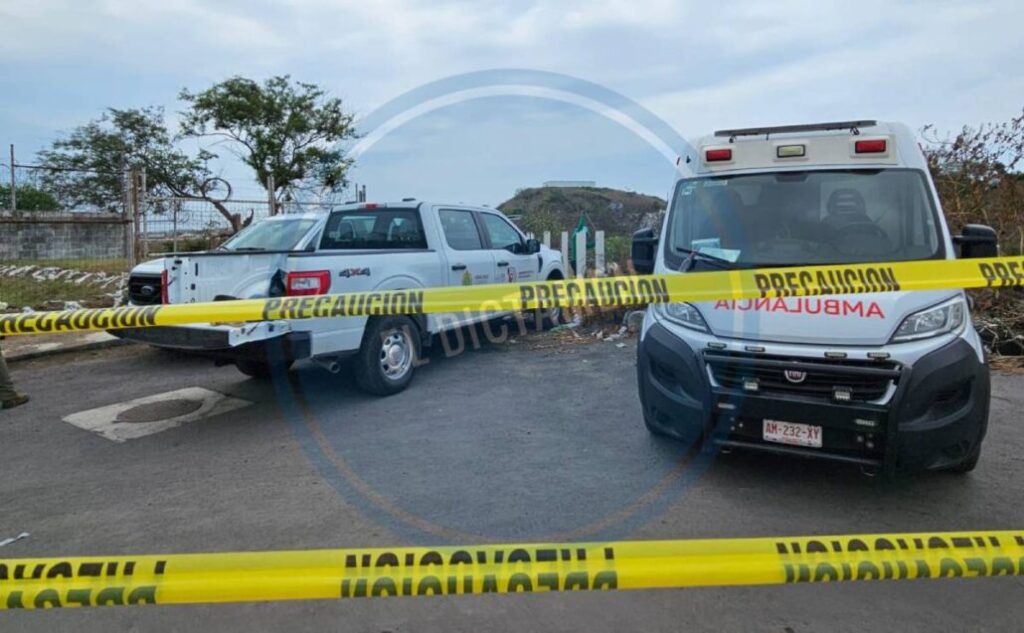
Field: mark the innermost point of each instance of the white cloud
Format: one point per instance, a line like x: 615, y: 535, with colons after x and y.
x: 699, y: 65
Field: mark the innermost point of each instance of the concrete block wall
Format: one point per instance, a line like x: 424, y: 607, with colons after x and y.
x: 54, y: 236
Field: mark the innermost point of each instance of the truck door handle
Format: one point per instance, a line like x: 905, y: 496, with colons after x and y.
x: 503, y: 263
x: 458, y: 267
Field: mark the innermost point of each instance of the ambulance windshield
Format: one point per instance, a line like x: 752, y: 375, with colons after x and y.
x: 806, y: 217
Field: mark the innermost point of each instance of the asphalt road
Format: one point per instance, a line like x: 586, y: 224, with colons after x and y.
x: 509, y: 442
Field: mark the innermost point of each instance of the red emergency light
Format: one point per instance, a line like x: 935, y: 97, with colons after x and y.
x: 876, y: 146
x: 716, y: 155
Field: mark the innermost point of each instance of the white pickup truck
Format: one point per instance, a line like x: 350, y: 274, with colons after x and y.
x: 358, y: 247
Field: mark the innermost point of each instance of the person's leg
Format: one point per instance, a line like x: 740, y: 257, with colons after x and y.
x: 7, y: 391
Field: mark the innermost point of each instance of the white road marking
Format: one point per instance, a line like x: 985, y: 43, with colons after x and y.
x: 103, y: 420
x: 8, y: 541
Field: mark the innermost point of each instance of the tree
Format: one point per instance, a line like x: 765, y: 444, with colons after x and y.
x: 30, y: 198
x: 87, y: 168
x: 977, y: 174
x: 282, y: 129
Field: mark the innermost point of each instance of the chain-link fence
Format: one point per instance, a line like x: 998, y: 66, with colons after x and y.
x: 65, y: 237
x: 175, y: 225
x: 69, y: 236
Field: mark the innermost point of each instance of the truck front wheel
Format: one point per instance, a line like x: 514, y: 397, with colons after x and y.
x: 547, y: 318
x: 387, y: 356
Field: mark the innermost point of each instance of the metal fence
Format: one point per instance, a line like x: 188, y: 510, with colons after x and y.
x: 171, y: 225
x: 69, y: 237
x: 58, y: 250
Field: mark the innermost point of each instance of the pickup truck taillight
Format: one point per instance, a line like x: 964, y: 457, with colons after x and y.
x: 313, y: 282
x: 164, y: 282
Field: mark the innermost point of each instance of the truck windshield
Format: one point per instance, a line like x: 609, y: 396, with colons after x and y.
x: 807, y: 217
x: 273, y: 235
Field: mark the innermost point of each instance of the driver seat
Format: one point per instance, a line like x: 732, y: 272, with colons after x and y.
x: 846, y: 207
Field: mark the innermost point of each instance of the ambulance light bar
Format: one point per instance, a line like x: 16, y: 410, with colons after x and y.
x: 853, y: 126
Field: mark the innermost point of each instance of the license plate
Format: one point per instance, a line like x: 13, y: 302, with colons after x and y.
x: 792, y: 433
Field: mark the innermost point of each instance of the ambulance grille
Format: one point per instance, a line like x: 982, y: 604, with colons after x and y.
x: 865, y: 381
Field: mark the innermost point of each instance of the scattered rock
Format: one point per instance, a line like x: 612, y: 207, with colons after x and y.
x: 633, y: 321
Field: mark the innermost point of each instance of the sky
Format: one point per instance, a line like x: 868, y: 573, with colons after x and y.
x: 698, y: 66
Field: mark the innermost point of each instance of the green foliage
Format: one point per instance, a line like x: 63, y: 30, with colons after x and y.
x: 288, y: 130
x: 30, y: 198
x: 87, y: 167
x: 978, y: 175
x: 617, y: 248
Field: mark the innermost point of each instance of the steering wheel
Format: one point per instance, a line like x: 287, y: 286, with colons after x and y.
x: 787, y: 244
x: 862, y: 238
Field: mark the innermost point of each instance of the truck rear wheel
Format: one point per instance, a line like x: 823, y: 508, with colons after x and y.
x: 260, y: 369
x: 387, y: 356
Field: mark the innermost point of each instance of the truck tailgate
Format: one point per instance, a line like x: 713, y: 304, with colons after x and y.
x: 201, y: 277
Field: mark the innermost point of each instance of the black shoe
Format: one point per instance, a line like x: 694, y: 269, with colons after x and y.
x: 16, y: 401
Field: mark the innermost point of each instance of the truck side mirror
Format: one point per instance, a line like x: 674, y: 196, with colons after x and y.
x: 645, y: 245
x: 532, y: 246
x: 977, y: 240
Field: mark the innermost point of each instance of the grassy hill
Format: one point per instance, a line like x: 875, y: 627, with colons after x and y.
x: 556, y: 209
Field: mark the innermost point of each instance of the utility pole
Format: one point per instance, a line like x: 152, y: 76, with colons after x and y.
x: 143, y: 210
x: 14, y: 189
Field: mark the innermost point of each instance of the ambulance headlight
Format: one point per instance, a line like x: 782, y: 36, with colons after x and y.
x: 947, y: 317
x: 682, y: 313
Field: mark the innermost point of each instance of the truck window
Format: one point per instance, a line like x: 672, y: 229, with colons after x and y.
x: 808, y: 217
x: 460, y: 230
x: 374, y: 229
x: 270, y: 235
x: 502, y: 234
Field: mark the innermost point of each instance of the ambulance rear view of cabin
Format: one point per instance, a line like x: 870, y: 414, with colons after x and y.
x: 890, y: 381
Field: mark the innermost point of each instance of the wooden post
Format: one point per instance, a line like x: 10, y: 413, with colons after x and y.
x: 141, y: 201
x: 271, y: 201
x: 581, y: 254
x: 14, y: 188
x: 565, y: 251
x: 133, y: 209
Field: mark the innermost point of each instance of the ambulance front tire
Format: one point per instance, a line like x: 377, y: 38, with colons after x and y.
x: 969, y: 464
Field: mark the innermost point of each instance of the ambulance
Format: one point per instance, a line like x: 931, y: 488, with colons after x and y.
x: 893, y: 382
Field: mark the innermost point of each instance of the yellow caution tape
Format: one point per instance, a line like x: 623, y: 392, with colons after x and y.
x: 476, y: 569
x: 997, y: 272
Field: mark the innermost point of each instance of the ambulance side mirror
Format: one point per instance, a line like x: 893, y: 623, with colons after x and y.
x: 977, y: 240
x: 645, y: 245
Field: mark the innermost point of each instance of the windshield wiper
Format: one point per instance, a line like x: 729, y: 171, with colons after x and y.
x: 246, y: 248
x: 693, y: 255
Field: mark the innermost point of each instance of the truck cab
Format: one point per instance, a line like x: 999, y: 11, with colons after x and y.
x: 353, y: 248
x: 892, y: 382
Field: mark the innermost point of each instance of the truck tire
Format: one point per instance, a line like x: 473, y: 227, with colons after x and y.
x: 387, y: 356
x: 259, y: 369
x: 545, y: 319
